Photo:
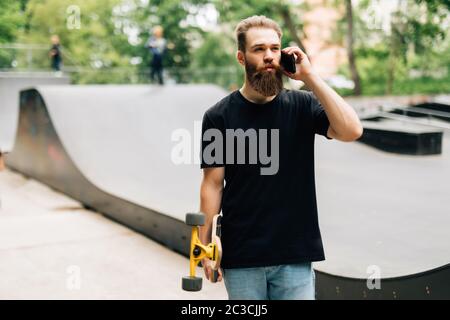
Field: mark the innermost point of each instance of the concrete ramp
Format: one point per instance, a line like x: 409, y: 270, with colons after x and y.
x: 382, y: 215
x: 110, y: 147
x: 10, y: 85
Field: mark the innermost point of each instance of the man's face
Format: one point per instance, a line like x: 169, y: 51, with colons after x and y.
x: 261, y: 60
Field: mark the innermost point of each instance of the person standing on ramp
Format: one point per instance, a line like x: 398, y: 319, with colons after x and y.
x: 55, y: 54
x: 157, y: 46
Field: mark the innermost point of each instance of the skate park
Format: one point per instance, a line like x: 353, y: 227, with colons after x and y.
x: 101, y: 109
x: 109, y: 148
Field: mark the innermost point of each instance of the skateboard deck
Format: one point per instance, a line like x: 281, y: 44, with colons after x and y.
x: 216, y: 233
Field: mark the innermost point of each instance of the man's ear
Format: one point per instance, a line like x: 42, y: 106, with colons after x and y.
x: 240, y: 57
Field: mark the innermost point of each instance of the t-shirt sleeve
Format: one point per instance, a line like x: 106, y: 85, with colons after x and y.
x: 319, y: 116
x: 211, y: 155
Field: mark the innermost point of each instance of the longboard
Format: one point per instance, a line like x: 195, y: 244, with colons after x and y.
x: 216, y: 233
x: 198, y: 251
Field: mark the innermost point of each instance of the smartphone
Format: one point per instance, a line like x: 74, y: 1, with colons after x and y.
x: 288, y: 62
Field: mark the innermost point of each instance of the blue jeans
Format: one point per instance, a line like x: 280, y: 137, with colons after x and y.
x: 282, y: 282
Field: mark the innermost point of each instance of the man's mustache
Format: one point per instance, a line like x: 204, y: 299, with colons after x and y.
x: 273, y: 66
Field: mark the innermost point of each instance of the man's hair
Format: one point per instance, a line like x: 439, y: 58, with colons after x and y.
x: 254, y: 22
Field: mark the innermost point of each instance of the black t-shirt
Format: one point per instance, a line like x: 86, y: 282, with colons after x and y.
x: 269, y: 219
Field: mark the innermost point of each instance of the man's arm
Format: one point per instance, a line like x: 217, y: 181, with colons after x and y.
x: 344, y: 122
x: 210, y: 199
x: 210, y: 204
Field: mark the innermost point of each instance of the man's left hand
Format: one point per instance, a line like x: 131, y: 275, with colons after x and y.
x: 302, y: 64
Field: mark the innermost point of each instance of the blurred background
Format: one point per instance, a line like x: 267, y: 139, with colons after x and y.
x: 360, y: 47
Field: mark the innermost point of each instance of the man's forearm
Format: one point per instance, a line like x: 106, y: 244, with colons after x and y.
x: 210, y: 204
x: 343, y: 119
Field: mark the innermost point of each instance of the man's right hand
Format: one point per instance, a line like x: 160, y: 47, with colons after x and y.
x: 207, y: 268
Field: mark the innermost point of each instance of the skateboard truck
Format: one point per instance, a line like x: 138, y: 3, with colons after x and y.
x: 199, y: 251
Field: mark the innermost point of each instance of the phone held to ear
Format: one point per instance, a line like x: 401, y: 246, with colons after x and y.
x: 288, y: 62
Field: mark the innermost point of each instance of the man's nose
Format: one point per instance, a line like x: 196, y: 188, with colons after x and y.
x: 268, y: 56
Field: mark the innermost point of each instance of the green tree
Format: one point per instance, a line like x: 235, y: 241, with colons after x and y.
x: 92, y: 45
x: 414, y: 41
x: 350, y: 47
x: 173, y: 16
x: 416, y: 29
x: 215, y: 62
x: 11, y: 20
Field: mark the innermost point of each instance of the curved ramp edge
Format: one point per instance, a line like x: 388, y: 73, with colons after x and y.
x: 10, y: 85
x: 123, y: 139
x: 39, y: 153
x: 431, y: 284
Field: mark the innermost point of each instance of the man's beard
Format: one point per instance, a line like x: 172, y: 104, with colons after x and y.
x: 265, y: 82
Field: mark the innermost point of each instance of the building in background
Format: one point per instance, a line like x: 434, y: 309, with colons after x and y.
x: 319, y: 24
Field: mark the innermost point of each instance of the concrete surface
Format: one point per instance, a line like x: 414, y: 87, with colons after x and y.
x: 48, y: 242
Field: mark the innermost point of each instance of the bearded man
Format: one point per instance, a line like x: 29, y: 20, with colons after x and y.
x: 269, y: 227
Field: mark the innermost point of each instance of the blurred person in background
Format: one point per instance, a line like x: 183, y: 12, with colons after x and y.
x: 55, y: 53
x: 157, y: 46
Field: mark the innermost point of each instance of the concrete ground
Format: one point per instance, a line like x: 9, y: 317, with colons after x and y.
x: 53, y: 248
